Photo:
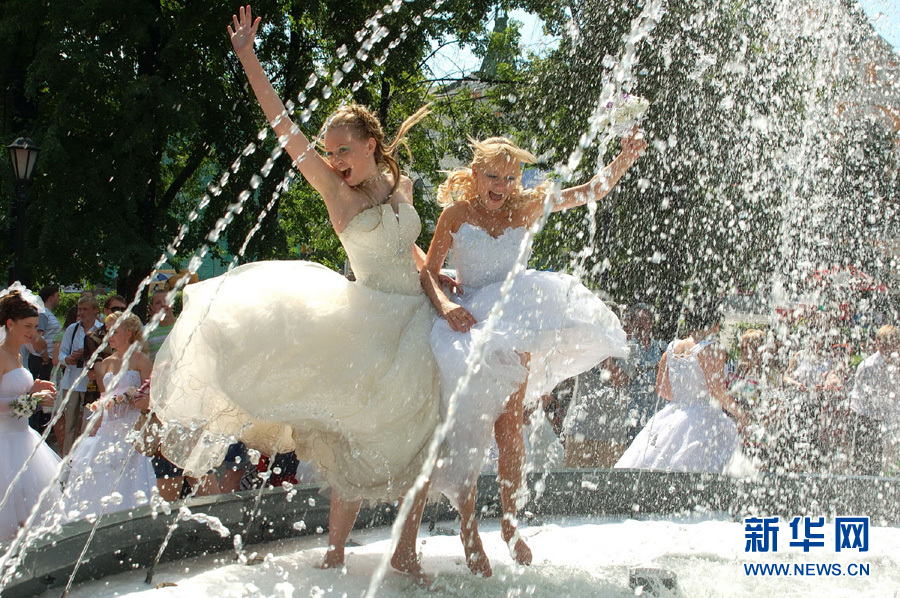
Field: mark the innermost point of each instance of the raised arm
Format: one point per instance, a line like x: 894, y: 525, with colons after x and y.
x: 602, y: 183
x: 316, y: 170
x: 457, y: 317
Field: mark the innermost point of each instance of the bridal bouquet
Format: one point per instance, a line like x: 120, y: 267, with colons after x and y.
x: 623, y: 113
x: 130, y: 394
x: 26, y: 404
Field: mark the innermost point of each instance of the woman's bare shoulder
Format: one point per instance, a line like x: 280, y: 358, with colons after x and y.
x: 531, y: 205
x: 139, y: 359
x: 455, y: 214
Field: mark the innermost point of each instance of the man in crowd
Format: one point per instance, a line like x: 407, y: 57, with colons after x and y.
x: 92, y: 342
x: 875, y: 403
x: 159, y: 304
x: 114, y: 303
x: 71, y: 352
x: 40, y: 358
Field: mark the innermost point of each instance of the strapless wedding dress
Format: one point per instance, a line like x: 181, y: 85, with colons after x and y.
x: 107, y: 474
x: 691, y: 433
x: 564, y: 327
x: 292, y: 356
x: 17, y: 442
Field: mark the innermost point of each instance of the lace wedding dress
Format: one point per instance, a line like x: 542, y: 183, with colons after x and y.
x: 292, y: 356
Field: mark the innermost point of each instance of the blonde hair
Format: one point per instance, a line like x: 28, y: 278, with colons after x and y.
x: 460, y: 183
x: 752, y: 335
x: 888, y: 334
x: 363, y: 124
x: 89, y: 300
x: 130, y: 323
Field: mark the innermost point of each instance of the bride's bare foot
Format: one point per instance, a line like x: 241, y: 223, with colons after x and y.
x: 409, y: 565
x: 519, y: 551
x: 334, y: 559
x: 476, y: 559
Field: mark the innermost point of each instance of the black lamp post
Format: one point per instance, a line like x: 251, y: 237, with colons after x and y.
x: 23, y: 153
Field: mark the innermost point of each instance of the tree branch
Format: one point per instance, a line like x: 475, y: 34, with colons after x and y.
x: 422, y: 63
x: 476, y: 79
x: 190, y: 167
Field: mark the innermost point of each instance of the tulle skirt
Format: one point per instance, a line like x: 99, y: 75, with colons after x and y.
x: 17, y: 441
x: 292, y: 356
x: 107, y: 474
x: 683, y: 438
x: 561, y: 326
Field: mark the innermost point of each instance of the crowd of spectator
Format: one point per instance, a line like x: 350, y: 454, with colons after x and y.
x: 61, y: 352
x: 809, y: 401
x: 814, y: 401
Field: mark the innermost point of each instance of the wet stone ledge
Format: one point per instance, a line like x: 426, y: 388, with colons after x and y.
x: 131, y: 540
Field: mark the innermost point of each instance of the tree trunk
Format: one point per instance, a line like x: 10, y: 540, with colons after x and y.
x: 127, y: 286
x: 385, y: 103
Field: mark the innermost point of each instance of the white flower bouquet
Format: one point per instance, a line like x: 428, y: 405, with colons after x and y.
x: 26, y: 404
x: 623, y: 113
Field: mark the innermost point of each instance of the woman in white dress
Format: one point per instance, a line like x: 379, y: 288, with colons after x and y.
x: 17, y: 440
x: 805, y: 381
x: 292, y: 356
x: 513, y: 334
x: 691, y: 433
x: 107, y: 473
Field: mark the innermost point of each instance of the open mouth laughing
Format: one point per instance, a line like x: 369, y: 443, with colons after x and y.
x: 494, y: 200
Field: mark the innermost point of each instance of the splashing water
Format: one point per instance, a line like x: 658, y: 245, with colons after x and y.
x: 804, y: 163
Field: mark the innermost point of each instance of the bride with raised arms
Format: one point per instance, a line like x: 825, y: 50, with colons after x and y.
x: 512, y: 334
x: 291, y: 355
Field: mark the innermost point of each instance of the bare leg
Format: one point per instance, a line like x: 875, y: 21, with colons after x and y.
x: 170, y: 487
x: 476, y: 559
x: 231, y: 480
x: 510, y: 463
x: 205, y: 485
x: 405, y: 558
x: 341, y: 517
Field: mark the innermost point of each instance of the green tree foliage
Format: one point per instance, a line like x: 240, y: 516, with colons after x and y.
x: 736, y: 96
x: 144, y: 114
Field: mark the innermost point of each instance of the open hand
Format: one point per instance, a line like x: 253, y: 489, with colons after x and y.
x: 44, y: 387
x: 634, y: 144
x: 459, y: 319
x: 244, y: 32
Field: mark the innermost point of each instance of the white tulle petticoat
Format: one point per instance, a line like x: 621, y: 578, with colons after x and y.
x: 548, y: 320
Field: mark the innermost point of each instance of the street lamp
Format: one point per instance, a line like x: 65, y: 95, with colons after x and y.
x: 23, y: 153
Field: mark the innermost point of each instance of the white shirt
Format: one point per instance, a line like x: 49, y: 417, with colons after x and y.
x: 68, y: 346
x: 48, y: 327
x: 877, y: 390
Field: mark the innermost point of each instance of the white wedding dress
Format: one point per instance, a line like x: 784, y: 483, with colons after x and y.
x: 17, y: 442
x: 106, y: 472
x: 292, y: 356
x: 564, y: 328
x: 691, y: 433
